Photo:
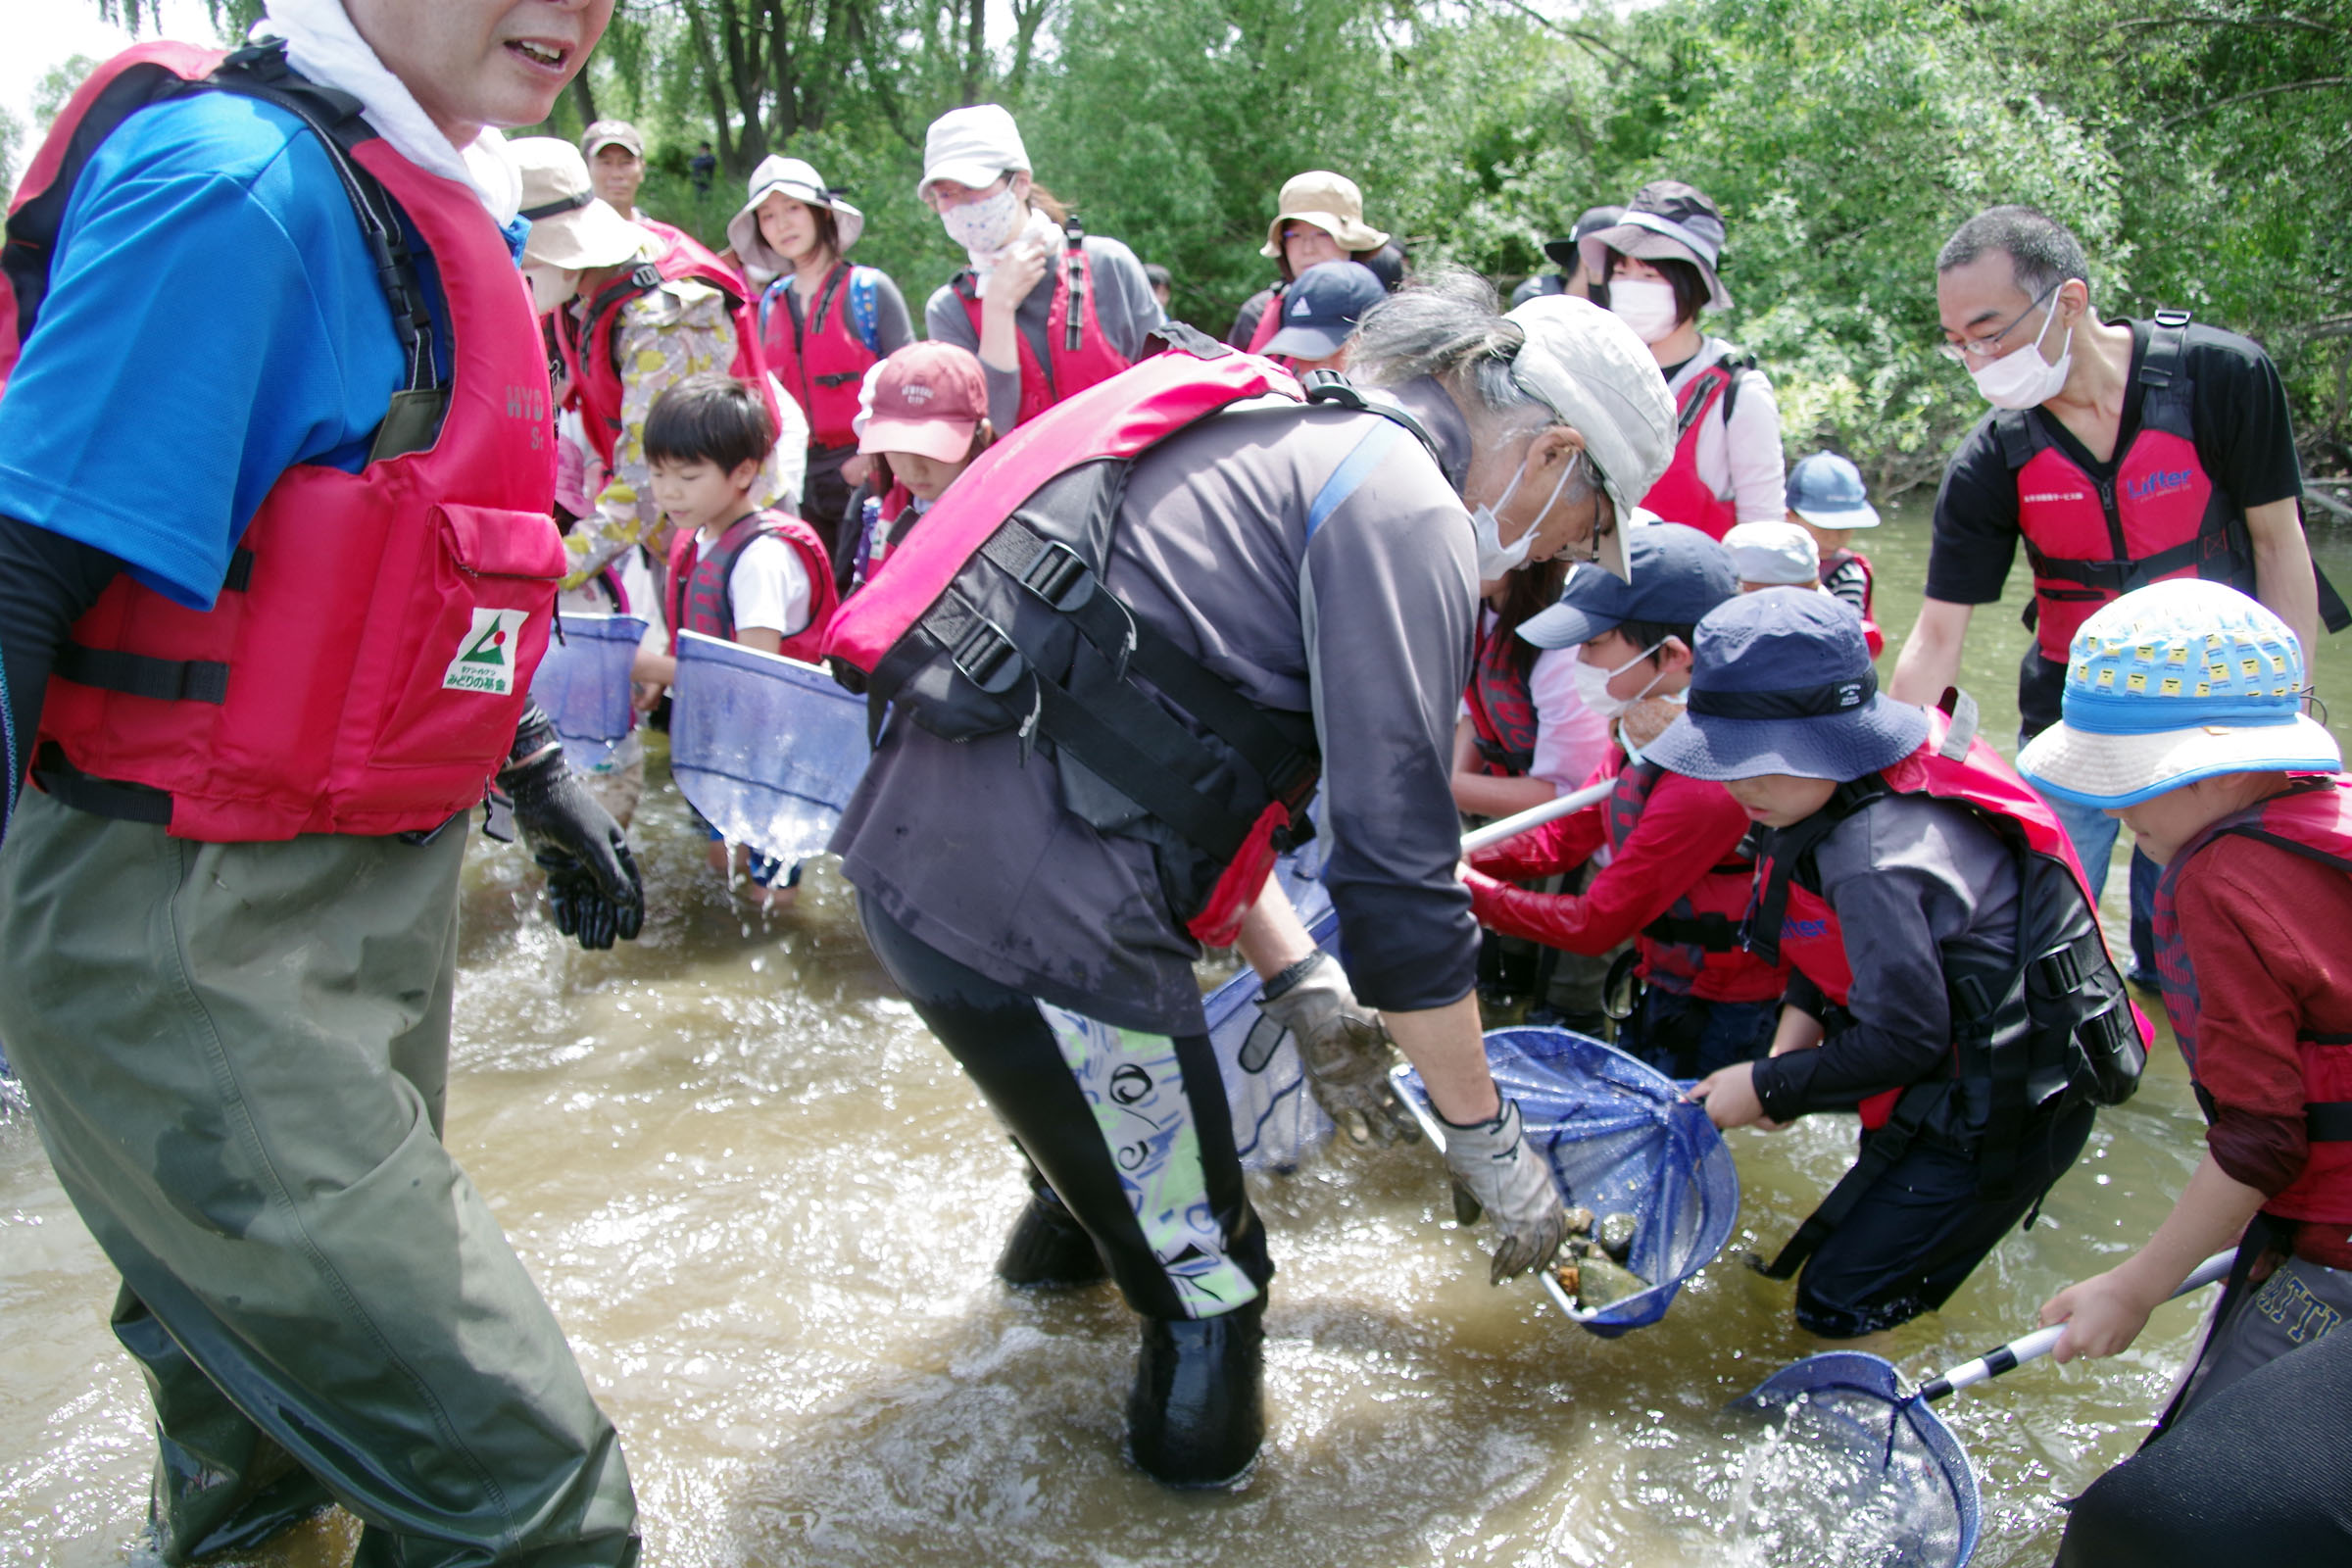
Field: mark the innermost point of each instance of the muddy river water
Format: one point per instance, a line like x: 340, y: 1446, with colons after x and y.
x: 765, y: 1204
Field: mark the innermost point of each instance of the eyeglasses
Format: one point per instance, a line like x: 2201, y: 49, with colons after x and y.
x: 1989, y: 346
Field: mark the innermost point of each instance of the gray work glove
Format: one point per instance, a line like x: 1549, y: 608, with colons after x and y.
x: 1345, y: 1047
x: 1496, y: 1173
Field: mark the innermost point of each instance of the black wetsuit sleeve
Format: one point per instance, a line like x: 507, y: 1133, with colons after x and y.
x: 1974, y: 537
x: 46, y: 582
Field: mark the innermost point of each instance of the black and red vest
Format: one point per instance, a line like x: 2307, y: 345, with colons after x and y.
x: 1680, y: 495
x: 1838, y: 560
x: 2313, y: 820
x: 1699, y: 930
x: 1270, y: 320
x: 589, y: 339
x: 1077, y: 354
x: 822, y: 361
x: 2162, y: 516
x: 2027, y: 1028
x: 371, y: 649
x: 1503, y: 711
x: 699, y: 581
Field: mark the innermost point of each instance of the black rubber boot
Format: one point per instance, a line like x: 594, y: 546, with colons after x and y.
x: 1048, y: 1247
x: 1196, y: 1413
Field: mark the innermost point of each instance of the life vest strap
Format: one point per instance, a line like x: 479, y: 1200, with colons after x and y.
x: 165, y: 681
x: 2122, y: 576
x: 69, y: 785
x: 1711, y: 932
x: 1880, y: 1152
x: 2329, y: 1121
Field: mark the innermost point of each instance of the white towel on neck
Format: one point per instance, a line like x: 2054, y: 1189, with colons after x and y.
x: 324, y: 45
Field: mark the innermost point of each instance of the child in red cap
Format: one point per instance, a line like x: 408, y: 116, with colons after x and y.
x: 923, y: 418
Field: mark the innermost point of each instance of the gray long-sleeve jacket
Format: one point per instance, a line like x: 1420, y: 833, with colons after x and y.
x: 1125, y: 308
x: 1356, y: 610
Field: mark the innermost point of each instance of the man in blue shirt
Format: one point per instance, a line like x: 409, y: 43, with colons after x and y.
x: 237, y: 1043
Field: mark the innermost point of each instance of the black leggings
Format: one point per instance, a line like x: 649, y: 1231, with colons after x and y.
x: 1131, y: 1130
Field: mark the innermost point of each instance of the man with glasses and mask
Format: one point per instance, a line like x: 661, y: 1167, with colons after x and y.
x: 2118, y: 453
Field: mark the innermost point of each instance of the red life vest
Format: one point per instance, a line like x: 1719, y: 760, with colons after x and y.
x: 699, y: 583
x: 589, y: 336
x: 990, y: 617
x: 2091, y: 541
x: 371, y: 649
x: 1700, y: 930
x: 879, y: 533
x: 2313, y: 820
x: 1503, y: 711
x: 1270, y: 320
x: 2006, y: 1055
x: 1077, y: 354
x: 820, y: 361
x: 1680, y: 495
x: 1836, y: 561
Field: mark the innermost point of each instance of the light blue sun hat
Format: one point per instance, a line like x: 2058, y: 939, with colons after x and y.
x: 2175, y: 682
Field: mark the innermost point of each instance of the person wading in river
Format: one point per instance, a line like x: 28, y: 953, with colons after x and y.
x: 276, y: 567
x: 1316, y: 557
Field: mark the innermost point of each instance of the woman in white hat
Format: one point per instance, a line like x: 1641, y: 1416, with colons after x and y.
x: 1658, y: 268
x: 1049, y: 308
x: 822, y: 322
x: 1319, y: 217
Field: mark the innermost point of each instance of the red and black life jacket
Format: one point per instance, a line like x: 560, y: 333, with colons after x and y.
x: 699, y: 582
x: 1077, y: 354
x: 1269, y: 319
x: 2162, y: 516
x: 877, y: 533
x: 2314, y: 819
x: 991, y: 617
x: 1680, y: 495
x: 372, y: 648
x: 2047, y: 1022
x: 1837, y: 560
x: 1503, y: 711
x: 590, y: 335
x: 822, y: 360
x: 1699, y: 930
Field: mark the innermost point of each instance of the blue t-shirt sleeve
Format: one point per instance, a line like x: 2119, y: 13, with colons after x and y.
x: 212, y: 320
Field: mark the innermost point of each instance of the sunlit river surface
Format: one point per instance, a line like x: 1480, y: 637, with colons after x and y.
x: 765, y: 1205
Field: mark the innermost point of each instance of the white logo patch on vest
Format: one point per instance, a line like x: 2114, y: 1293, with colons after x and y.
x: 485, y: 661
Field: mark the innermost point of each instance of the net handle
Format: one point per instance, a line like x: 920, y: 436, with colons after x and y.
x: 2041, y: 1342
x: 1510, y: 827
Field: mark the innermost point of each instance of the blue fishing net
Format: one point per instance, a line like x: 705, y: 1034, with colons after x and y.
x: 583, y: 684
x: 1621, y: 1141
x: 1861, y: 1472
x: 767, y: 749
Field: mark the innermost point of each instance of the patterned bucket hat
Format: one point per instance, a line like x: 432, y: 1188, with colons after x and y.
x: 2177, y: 682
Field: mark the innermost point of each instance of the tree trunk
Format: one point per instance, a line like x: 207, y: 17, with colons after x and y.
x: 583, y: 98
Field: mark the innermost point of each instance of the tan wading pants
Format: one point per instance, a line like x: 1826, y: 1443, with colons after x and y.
x: 237, y: 1053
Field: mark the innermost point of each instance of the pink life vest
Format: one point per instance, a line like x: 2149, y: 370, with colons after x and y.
x: 1680, y: 495
x: 371, y: 650
x: 2314, y: 821
x: 1077, y: 354
x: 1954, y: 764
x: 2091, y: 541
x: 588, y: 338
x: 822, y: 361
x: 1699, y: 930
x: 1270, y: 320
x: 699, y: 583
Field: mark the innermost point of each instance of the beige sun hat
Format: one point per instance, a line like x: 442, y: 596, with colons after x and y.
x: 799, y: 181
x: 1598, y: 377
x: 1332, y: 203
x: 569, y: 227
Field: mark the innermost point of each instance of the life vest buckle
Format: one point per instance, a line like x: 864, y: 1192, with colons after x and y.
x: 986, y: 657
x: 1059, y: 576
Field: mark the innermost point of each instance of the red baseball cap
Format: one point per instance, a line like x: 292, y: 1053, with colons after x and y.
x: 927, y: 397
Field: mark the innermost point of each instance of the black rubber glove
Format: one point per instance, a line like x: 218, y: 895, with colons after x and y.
x: 592, y: 882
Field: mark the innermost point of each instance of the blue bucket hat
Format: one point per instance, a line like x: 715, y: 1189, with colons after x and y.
x: 1319, y: 311
x: 1827, y: 491
x: 1783, y: 683
x: 1679, y: 575
x: 2175, y: 682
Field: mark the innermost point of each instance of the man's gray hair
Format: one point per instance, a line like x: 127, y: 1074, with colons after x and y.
x: 2042, y: 252
x: 1449, y: 324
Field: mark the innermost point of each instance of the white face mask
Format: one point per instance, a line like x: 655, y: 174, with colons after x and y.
x: 2021, y: 378
x: 552, y: 288
x: 1647, y: 305
x: 1593, y: 683
x: 988, y: 224
x: 1495, y: 557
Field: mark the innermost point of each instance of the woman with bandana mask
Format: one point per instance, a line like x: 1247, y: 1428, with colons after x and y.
x: 1677, y: 882
x: 1049, y: 309
x: 1658, y: 268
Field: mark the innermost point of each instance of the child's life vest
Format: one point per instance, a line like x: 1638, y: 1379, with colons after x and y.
x: 991, y: 617
x: 1503, y: 723
x: 370, y: 649
x: 700, y: 581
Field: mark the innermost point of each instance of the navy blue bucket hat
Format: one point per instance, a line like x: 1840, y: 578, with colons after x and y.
x: 1783, y: 683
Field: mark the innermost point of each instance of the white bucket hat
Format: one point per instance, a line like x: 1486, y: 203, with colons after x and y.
x: 569, y: 227
x: 788, y: 176
x: 2172, y: 683
x: 1598, y: 377
x: 971, y: 147
x: 1780, y: 554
